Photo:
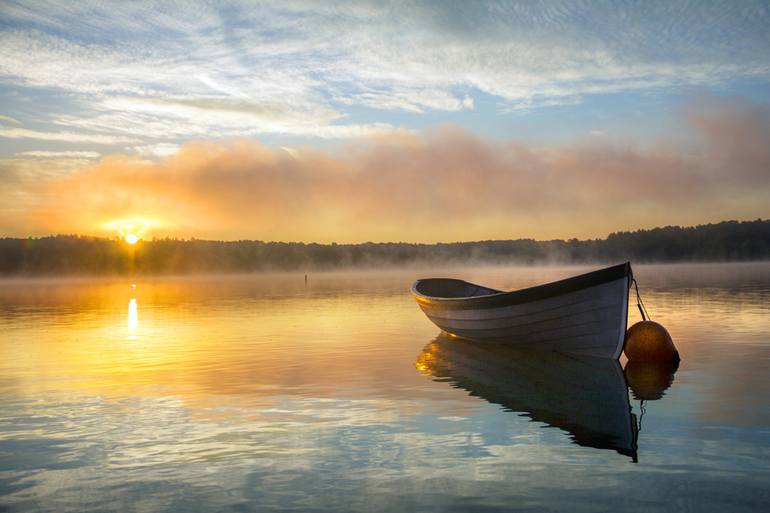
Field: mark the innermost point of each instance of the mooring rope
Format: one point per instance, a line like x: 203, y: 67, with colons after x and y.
x: 645, y: 316
x: 639, y: 302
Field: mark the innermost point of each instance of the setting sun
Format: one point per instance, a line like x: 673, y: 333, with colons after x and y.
x: 130, y: 230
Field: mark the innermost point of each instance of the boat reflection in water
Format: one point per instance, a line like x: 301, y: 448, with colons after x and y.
x: 585, y: 396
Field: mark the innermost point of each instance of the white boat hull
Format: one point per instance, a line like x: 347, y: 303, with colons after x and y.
x: 583, y: 315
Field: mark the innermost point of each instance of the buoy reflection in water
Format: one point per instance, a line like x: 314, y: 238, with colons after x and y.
x: 649, y: 380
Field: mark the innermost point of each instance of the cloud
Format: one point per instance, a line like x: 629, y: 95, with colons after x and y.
x: 59, y: 154
x: 24, y: 133
x: 208, y: 117
x: 9, y: 119
x: 408, y: 99
x: 445, y: 185
x: 738, y: 133
x: 20, y: 180
x: 305, y: 69
x: 157, y: 150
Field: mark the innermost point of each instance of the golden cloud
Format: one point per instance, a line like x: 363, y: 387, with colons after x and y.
x: 446, y: 184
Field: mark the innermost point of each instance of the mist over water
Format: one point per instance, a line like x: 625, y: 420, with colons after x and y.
x: 260, y: 392
x: 62, y: 255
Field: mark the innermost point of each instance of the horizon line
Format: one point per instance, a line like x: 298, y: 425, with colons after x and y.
x: 333, y: 243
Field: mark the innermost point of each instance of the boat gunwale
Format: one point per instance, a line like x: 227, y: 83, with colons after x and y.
x: 526, y: 295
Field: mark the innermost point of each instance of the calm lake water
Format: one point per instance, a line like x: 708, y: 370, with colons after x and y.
x: 259, y: 393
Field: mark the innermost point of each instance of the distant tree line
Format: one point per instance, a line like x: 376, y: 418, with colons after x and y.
x: 78, y: 255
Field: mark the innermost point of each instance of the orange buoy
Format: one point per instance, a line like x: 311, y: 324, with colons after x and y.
x: 648, y: 341
x: 649, y: 380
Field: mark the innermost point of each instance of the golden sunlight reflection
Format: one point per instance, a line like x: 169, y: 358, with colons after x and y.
x: 133, y: 318
x: 204, y: 338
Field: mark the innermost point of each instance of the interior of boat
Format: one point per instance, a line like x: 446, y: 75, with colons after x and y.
x: 449, y: 288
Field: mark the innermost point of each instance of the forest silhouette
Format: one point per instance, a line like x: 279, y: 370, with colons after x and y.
x: 81, y: 255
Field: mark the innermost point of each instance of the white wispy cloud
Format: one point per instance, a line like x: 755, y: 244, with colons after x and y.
x: 206, y: 117
x: 408, y: 99
x: 157, y: 150
x: 60, y: 154
x: 24, y: 133
x: 200, y: 69
x: 9, y: 119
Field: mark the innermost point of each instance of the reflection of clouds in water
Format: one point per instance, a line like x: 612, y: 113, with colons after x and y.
x: 312, y: 440
x: 283, y: 456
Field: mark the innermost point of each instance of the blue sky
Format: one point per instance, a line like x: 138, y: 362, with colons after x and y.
x: 83, y: 81
x: 121, y: 76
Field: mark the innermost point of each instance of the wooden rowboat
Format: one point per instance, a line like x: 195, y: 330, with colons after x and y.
x: 585, y: 314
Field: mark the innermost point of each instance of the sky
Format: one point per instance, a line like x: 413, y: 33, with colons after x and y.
x: 382, y: 121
